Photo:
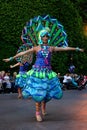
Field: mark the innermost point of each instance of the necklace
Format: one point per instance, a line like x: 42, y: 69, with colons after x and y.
x: 45, y: 53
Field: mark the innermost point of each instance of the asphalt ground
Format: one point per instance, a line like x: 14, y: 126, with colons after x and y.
x: 68, y: 113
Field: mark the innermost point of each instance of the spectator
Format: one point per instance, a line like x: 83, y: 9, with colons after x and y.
x: 67, y: 80
x: 1, y: 82
x: 13, y: 86
x: 8, y: 83
x: 71, y: 68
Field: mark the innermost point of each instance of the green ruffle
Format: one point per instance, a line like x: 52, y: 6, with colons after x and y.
x: 42, y: 74
x: 30, y: 72
x: 18, y: 75
x: 52, y: 75
x: 24, y: 76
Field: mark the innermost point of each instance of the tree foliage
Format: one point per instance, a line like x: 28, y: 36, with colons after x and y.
x: 15, y: 13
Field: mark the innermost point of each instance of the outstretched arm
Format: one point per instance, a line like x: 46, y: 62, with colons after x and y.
x: 12, y: 66
x: 18, y: 55
x: 67, y: 49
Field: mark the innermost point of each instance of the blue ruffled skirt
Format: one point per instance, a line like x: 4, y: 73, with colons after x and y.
x: 42, y: 86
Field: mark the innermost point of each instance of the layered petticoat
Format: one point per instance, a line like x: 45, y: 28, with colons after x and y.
x: 42, y: 84
x: 21, y: 77
x: 21, y: 80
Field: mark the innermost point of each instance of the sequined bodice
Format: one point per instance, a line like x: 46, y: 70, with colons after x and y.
x: 43, y: 57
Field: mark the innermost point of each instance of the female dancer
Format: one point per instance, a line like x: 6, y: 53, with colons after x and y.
x: 43, y: 84
x: 21, y: 77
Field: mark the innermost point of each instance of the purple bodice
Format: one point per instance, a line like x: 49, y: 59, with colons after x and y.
x: 41, y: 61
x: 24, y: 67
x: 43, y: 58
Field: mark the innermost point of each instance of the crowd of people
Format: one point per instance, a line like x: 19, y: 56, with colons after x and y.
x: 7, y: 82
x: 73, y: 81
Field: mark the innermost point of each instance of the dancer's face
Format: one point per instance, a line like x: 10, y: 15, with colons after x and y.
x: 45, y: 39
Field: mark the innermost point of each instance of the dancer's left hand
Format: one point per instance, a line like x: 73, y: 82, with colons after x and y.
x: 6, y: 60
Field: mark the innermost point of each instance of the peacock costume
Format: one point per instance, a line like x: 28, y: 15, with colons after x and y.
x: 21, y: 77
x: 42, y: 83
x: 24, y: 61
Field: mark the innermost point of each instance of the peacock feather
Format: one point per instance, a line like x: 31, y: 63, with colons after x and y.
x: 28, y: 57
x: 58, y: 36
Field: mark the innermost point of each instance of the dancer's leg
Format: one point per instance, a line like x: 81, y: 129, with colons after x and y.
x: 38, y: 112
x: 43, y: 106
x: 19, y: 93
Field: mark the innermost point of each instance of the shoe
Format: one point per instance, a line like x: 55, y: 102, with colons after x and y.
x: 44, y: 113
x: 19, y: 96
x: 38, y: 117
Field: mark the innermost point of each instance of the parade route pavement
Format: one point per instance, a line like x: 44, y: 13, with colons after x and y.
x: 69, y: 113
